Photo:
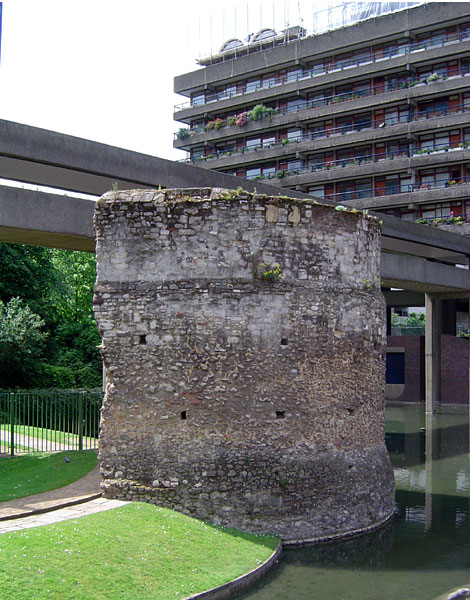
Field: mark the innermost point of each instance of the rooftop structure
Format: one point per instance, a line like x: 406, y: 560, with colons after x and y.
x: 373, y: 115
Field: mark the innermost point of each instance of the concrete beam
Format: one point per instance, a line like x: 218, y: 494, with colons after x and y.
x: 399, y: 235
x: 44, y: 219
x: 33, y: 155
x: 398, y: 298
x: 416, y: 274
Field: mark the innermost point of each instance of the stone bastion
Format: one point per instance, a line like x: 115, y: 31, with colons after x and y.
x: 243, y: 343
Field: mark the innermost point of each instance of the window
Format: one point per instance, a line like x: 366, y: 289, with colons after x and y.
x: 269, y: 140
x: 397, y: 184
x: 317, y: 130
x: 395, y: 81
x: 345, y: 124
x: 316, y: 161
x: 253, y: 84
x: 295, y: 104
x: 252, y: 172
x: 320, y: 98
x: 267, y: 170
x: 437, y: 211
x: 317, y: 191
x: 197, y: 152
x: 434, y: 108
x: 268, y: 80
x: 397, y: 148
x: 294, y: 73
x: 398, y: 114
x: 294, y: 165
x: 433, y: 178
x: 352, y: 190
x: 294, y: 134
x: 253, y: 142
x: 198, y: 98
x: 435, y: 141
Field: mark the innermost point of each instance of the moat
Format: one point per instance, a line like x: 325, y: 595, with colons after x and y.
x: 424, y: 553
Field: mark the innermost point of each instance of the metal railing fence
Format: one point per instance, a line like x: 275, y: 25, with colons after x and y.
x: 334, y: 131
x: 49, y: 420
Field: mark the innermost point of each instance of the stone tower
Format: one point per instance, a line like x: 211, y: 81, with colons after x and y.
x: 243, y: 340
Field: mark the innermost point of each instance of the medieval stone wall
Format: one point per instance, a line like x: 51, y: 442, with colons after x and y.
x: 243, y: 340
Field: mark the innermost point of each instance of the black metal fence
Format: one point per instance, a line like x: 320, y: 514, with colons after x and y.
x: 49, y: 420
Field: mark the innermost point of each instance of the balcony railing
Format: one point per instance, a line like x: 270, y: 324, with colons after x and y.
x: 392, y: 190
x: 327, y: 68
x: 377, y: 90
x: 311, y: 136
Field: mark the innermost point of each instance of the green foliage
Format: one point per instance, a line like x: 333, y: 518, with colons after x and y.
x: 54, y: 377
x: 21, y: 339
x: 20, y: 328
x: 413, y: 320
x: 56, y: 286
x: 183, y: 133
x: 260, y: 111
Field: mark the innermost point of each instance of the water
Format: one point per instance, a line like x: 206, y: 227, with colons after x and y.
x: 424, y: 553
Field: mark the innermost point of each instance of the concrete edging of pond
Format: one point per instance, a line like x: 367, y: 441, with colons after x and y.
x: 227, y: 590
x: 338, y: 536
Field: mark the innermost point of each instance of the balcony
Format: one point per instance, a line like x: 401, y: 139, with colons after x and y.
x: 339, y: 66
x: 313, y: 140
x: 439, y: 191
x: 329, y: 106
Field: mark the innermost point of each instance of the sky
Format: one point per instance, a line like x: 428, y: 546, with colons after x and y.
x: 103, y: 69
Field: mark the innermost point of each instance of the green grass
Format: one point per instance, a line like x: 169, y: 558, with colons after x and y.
x: 136, y: 552
x: 5, y: 447
x: 52, y: 435
x: 26, y: 475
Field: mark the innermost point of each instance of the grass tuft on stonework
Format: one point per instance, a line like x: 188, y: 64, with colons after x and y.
x: 135, y: 552
x: 42, y: 471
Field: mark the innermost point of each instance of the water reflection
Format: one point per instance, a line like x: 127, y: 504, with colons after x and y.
x: 424, y: 553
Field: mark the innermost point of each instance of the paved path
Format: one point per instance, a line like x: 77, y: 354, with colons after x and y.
x: 80, y: 498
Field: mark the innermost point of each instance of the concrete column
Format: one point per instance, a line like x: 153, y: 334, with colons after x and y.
x: 433, y: 352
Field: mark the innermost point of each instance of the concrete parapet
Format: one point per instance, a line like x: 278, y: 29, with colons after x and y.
x: 243, y: 340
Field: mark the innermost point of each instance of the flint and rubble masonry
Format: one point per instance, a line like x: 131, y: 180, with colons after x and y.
x: 243, y: 341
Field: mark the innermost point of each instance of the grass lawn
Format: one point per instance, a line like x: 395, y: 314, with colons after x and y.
x: 136, y: 552
x: 51, y: 435
x: 5, y: 447
x: 40, y: 472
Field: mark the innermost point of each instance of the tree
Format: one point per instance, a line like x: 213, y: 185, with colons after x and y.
x: 57, y: 287
x: 21, y: 342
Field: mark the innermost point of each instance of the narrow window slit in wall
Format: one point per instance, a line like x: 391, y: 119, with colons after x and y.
x: 183, y: 415
x: 284, y: 342
x: 280, y: 414
x: 142, y: 339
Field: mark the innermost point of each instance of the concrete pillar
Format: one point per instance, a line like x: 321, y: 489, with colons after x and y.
x: 433, y: 352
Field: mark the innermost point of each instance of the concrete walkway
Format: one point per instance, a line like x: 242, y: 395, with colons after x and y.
x: 80, y: 498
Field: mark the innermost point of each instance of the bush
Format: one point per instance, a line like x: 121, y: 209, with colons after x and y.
x: 52, y: 376
x: 88, y: 377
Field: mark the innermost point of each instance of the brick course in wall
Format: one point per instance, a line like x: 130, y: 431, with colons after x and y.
x: 243, y: 341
